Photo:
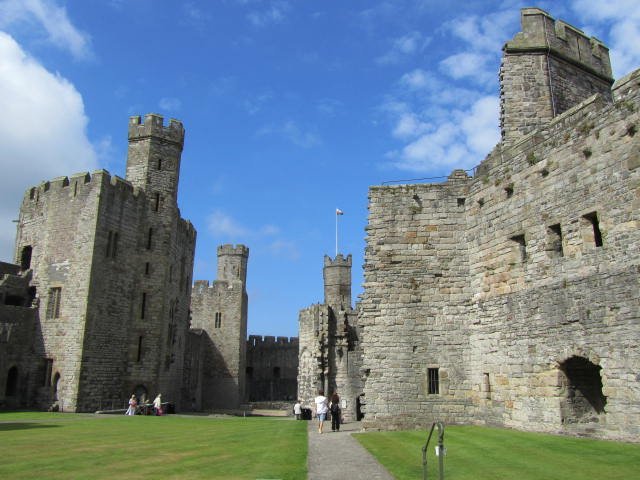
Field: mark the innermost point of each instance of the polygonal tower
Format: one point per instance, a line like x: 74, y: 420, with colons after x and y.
x: 547, y: 68
x: 337, y: 281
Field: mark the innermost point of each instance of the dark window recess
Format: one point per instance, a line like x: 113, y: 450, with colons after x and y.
x: 159, y: 164
x: 509, y: 191
x: 53, y: 303
x: 143, y: 307
x: 522, y: 246
x: 147, y: 268
x: 12, y: 382
x: 461, y: 202
x: 249, y: 372
x: 592, y: 218
x: 112, y: 244
x: 554, y: 233
x: 25, y: 257
x: 156, y: 206
x: 218, y: 320
x: 139, y: 353
x: 149, y: 238
x: 276, y: 372
x: 434, y: 381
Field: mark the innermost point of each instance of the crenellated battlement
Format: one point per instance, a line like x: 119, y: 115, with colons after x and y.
x: 153, y: 126
x: 540, y: 31
x: 339, y: 261
x: 257, y: 341
x: 229, y: 249
x: 77, y: 183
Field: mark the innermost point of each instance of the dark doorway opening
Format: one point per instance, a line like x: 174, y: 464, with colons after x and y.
x: 581, y: 383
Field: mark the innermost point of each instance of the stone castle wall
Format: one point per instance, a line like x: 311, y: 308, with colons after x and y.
x: 118, y: 257
x: 272, y: 366
x: 504, y: 298
x: 220, y: 310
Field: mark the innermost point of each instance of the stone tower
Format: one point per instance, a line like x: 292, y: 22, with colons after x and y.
x: 112, y: 262
x: 337, y: 281
x: 330, y: 355
x: 557, y: 66
x: 219, y: 317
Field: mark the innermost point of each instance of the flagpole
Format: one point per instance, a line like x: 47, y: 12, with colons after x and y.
x: 336, y: 232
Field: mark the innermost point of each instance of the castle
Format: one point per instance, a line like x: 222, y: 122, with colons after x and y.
x: 100, y: 304
x: 510, y: 297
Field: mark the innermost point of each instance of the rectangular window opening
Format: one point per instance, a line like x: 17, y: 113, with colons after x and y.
x: 592, y: 218
x: 522, y: 246
x: 53, y: 304
x: 139, y: 354
x: 218, y: 320
x: 461, y: 202
x: 434, y: 381
x: 48, y: 368
x: 554, y: 237
x: 147, y: 268
x: 486, y: 386
x: 109, y: 243
x: 156, y: 207
x: 149, y: 238
x: 143, y: 307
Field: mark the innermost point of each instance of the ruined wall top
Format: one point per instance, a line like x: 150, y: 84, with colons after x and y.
x: 153, y: 126
x: 540, y: 31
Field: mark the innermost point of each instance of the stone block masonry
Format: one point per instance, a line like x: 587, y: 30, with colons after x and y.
x: 511, y: 297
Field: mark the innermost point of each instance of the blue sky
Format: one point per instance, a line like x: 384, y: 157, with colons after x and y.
x: 291, y: 109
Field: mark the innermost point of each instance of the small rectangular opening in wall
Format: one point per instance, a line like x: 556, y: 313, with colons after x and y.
x: 522, y: 246
x: 486, y: 386
x: 143, y: 306
x: 159, y: 164
x: 461, y: 202
x: 53, y: 303
x: 139, y: 353
x: 592, y: 219
x: 48, y: 369
x: 218, y: 320
x: 554, y: 240
x: 156, y: 205
x: 434, y: 381
x: 149, y: 238
x: 509, y: 191
x: 147, y: 268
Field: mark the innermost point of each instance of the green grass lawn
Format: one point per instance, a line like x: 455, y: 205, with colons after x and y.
x: 76, y: 446
x: 477, y: 453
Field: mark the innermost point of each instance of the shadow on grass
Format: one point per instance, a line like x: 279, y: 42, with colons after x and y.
x: 5, y: 427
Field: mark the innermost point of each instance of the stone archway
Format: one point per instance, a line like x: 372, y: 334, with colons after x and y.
x: 581, y: 399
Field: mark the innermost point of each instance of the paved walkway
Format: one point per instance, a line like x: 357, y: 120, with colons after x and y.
x: 337, y: 455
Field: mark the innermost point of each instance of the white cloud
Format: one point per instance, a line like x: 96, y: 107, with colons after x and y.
x: 42, y: 131
x: 404, y: 47
x: 274, y: 13
x: 170, y: 104
x: 284, y: 248
x: 52, y: 18
x: 469, y: 65
x: 292, y: 132
x: 221, y: 224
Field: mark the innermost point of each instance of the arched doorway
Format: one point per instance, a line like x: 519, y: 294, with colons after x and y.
x: 54, y: 386
x: 581, y: 385
x: 11, y: 389
x: 25, y: 258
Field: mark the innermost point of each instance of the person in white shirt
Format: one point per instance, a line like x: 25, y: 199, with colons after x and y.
x: 322, y: 407
x: 297, y: 409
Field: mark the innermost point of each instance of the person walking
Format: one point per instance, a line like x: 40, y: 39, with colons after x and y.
x: 322, y: 408
x: 336, y: 412
x: 157, y: 404
x: 133, y: 405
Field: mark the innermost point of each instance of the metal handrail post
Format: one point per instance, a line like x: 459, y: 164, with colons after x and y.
x: 440, y: 448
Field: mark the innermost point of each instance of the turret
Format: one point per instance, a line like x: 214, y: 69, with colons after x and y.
x: 548, y: 68
x: 232, y: 263
x: 153, y: 159
x: 337, y: 281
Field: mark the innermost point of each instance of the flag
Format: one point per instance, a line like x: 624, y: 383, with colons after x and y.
x: 339, y: 212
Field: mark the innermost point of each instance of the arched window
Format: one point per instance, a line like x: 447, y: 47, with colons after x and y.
x: 12, y: 382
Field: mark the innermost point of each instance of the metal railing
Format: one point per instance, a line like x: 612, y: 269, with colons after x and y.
x: 440, y: 451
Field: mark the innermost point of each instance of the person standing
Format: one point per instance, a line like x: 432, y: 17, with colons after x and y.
x: 157, y: 404
x: 297, y: 409
x: 133, y: 405
x: 336, y: 412
x: 322, y: 408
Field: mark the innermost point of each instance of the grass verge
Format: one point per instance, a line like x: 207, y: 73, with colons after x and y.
x: 75, y: 446
x: 494, y: 454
